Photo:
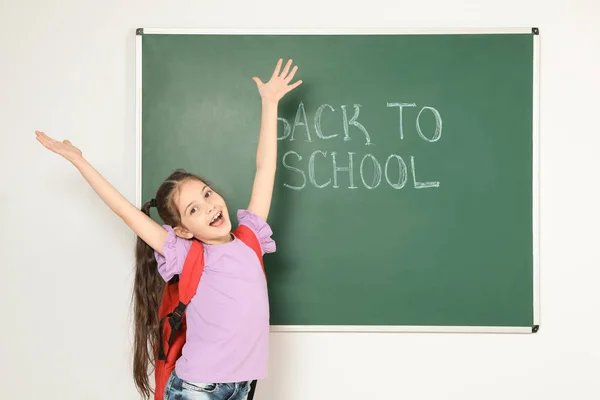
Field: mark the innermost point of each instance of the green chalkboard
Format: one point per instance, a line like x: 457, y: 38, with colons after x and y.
x: 405, y: 192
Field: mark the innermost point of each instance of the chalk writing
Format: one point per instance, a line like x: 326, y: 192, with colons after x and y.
x: 328, y: 169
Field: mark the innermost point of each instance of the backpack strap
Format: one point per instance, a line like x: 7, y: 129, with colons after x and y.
x: 193, y: 267
x: 248, y: 236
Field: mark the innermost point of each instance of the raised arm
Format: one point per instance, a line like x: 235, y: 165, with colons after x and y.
x: 266, y: 154
x: 144, y: 226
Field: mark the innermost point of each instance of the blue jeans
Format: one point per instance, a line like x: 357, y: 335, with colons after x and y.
x: 178, y: 389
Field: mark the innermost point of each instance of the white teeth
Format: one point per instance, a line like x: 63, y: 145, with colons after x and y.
x: 217, y: 215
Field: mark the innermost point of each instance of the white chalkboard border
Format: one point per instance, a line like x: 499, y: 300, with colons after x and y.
x: 535, y: 159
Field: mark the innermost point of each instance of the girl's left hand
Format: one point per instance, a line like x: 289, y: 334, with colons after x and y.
x: 279, y: 84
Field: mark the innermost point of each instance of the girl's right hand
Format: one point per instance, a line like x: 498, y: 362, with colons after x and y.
x: 64, y: 148
x: 144, y: 226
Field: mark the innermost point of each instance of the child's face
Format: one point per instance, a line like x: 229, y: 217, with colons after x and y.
x: 203, y: 213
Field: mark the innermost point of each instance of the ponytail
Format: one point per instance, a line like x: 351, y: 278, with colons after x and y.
x: 148, y: 289
x: 149, y: 285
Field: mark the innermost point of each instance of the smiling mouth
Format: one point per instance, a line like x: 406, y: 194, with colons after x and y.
x: 217, y: 220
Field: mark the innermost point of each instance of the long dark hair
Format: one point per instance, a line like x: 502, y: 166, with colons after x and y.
x: 149, y: 285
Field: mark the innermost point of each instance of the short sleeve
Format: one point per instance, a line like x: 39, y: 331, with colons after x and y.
x: 260, y: 227
x: 175, y: 251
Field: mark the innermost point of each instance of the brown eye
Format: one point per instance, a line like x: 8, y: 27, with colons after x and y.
x: 193, y: 210
x: 208, y: 193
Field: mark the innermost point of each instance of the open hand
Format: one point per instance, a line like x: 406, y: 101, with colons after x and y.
x: 279, y: 84
x: 64, y: 148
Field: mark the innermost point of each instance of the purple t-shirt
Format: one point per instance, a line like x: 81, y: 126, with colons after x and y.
x: 228, y: 318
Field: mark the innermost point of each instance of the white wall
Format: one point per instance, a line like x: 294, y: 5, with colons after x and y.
x: 66, y: 271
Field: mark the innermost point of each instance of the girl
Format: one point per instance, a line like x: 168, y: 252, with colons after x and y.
x: 228, y: 318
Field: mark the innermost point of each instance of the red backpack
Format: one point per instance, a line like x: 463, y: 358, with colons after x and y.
x: 177, y: 295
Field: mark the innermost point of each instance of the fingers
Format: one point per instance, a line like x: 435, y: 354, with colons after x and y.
x: 277, y: 68
x: 39, y: 140
x: 286, y: 70
x: 40, y: 134
x: 294, y: 86
x: 42, y: 138
x: 259, y: 83
x: 46, y: 141
x: 291, y: 75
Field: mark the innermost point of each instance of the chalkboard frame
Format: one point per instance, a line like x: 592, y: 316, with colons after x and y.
x: 140, y: 32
